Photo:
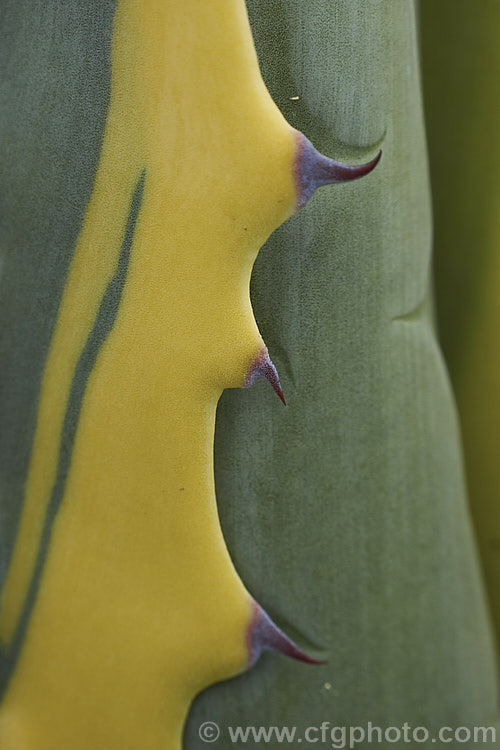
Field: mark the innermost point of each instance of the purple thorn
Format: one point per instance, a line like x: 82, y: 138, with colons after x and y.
x: 262, y: 367
x: 264, y: 635
x: 313, y: 170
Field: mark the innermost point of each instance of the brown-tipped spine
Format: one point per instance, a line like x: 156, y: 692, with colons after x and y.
x: 262, y: 367
x: 264, y: 635
x: 312, y: 170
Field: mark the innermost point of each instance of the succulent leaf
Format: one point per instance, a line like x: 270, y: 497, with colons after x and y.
x: 120, y: 590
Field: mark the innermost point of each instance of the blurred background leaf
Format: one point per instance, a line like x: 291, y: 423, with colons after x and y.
x: 461, y: 70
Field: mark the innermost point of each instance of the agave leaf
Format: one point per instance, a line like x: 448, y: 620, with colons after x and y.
x: 119, y: 589
x: 346, y: 513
